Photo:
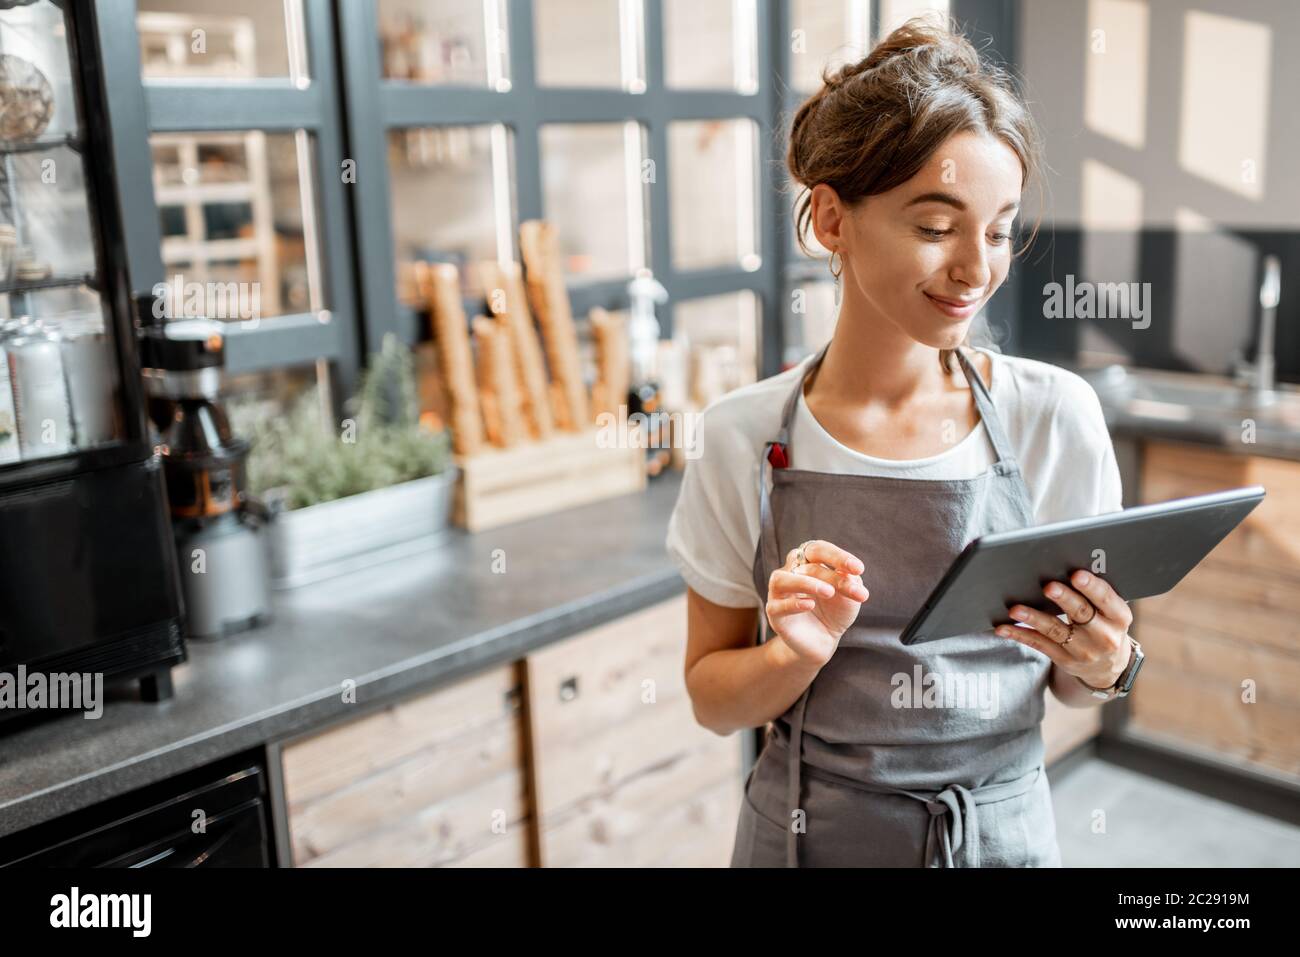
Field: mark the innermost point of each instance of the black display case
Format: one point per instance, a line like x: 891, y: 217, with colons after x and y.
x: 88, y: 576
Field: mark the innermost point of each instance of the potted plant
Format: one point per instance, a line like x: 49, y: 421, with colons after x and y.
x: 377, y: 487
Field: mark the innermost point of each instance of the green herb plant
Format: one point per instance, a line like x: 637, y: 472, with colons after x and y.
x: 297, y: 460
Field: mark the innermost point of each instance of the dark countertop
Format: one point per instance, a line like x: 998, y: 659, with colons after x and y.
x: 1269, y: 443
x: 398, y: 628
x: 1221, y: 432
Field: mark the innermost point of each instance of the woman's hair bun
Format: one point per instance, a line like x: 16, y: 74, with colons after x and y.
x: 875, y: 122
x: 921, y: 45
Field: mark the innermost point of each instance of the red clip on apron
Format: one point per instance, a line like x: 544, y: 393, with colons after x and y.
x: 860, y: 771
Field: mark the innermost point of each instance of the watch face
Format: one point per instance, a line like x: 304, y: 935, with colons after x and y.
x: 1139, y: 658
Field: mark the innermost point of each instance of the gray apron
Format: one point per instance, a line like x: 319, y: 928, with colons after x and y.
x: 900, y: 756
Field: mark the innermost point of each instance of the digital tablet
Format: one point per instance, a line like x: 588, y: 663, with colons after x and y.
x: 1141, y: 551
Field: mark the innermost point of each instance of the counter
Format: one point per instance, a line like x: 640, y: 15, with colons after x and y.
x: 402, y: 627
x: 1219, y: 425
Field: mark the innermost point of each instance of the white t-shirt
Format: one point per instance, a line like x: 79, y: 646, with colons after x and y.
x: 1052, y: 418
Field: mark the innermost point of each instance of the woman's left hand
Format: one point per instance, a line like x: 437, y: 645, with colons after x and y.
x: 1098, y: 652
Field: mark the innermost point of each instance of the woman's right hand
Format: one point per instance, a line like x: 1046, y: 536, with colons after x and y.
x: 810, y: 606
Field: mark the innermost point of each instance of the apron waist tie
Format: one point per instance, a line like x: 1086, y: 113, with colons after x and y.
x: 792, y: 781
x: 954, y: 822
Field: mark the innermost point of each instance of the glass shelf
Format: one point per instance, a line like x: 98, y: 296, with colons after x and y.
x: 43, y: 144
x: 52, y: 282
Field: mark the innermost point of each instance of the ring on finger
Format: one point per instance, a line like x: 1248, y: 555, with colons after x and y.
x: 799, y: 557
x: 1086, y: 620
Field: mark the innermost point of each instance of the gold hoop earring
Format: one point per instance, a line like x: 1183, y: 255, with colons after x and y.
x: 831, y: 265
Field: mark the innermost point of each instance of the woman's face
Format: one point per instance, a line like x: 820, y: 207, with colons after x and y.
x: 929, y: 253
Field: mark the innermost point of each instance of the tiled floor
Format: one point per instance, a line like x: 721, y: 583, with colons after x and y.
x: 1148, y: 823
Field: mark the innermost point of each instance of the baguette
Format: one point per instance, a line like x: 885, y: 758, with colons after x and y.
x: 499, y: 389
x: 508, y: 301
x: 613, y: 372
x: 451, y: 331
x: 539, y: 244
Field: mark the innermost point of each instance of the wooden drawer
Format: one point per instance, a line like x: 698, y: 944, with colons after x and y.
x: 433, y: 781
x: 622, y: 773
x: 678, y: 814
x: 587, y: 694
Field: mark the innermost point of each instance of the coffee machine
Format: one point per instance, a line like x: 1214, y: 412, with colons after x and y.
x: 218, y: 527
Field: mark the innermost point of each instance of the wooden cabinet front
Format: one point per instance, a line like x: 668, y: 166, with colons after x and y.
x: 619, y: 772
x: 1223, y: 647
x: 435, y: 781
x: 623, y: 775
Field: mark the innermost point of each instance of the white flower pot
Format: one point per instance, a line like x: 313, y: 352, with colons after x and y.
x: 332, y: 538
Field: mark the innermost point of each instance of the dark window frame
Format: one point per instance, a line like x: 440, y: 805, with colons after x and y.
x: 376, y: 105
x: 139, y: 108
x: 348, y: 110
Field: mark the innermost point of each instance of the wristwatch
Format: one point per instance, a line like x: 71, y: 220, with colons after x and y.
x: 1124, y: 683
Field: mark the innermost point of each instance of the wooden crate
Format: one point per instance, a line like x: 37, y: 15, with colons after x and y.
x: 498, y: 486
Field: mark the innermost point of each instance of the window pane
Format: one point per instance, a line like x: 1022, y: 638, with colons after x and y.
x: 590, y: 43
x: 232, y: 39
x: 270, y: 394
x: 710, y: 44
x: 232, y: 208
x: 722, y: 333
x: 813, y: 312
x: 255, y: 399
x: 791, y: 195
x: 593, y: 193
x: 826, y: 36
x: 454, y: 42
x: 452, y: 200
x: 712, y: 175
x: 894, y: 12
x: 815, y: 248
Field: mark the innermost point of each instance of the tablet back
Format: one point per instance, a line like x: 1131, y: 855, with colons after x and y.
x: 1140, y: 551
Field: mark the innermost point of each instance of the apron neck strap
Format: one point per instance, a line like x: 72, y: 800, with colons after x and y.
x: 988, y: 415
x: 983, y: 402
x: 787, y: 412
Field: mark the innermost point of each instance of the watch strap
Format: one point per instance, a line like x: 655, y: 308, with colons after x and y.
x: 1114, y: 691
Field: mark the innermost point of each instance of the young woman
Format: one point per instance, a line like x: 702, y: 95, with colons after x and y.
x: 835, y: 494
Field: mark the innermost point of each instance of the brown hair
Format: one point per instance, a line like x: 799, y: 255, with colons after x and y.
x: 875, y: 123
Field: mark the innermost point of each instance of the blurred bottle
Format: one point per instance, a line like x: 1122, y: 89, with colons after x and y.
x: 645, y: 394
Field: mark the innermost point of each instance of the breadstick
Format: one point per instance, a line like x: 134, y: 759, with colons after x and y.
x: 613, y: 374
x: 507, y: 300
x: 452, y: 334
x: 430, y: 388
x: 539, y: 243
x: 496, y: 375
